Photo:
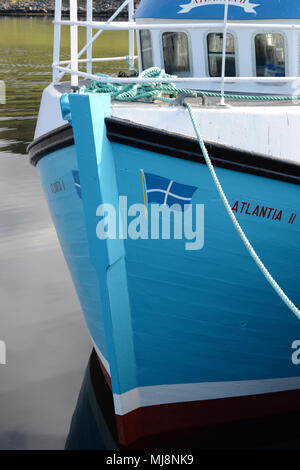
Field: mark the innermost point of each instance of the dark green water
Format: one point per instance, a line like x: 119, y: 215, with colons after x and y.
x: 25, y: 66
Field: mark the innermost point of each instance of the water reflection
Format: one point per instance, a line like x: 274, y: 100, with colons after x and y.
x: 25, y: 66
x: 40, y: 318
x: 93, y: 426
x: 25, y: 58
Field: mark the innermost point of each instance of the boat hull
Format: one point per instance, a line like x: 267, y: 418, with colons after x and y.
x: 186, y: 338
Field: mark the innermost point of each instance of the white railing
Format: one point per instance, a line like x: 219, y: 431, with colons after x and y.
x: 71, y: 67
x: 89, y: 24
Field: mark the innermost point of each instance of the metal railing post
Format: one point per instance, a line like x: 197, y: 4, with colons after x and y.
x: 100, y: 31
x: 224, y: 53
x: 131, y: 34
x: 56, y: 41
x: 71, y: 66
x: 74, y: 42
x: 89, y: 34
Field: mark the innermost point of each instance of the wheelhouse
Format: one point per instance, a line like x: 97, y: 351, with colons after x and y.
x: 260, y: 55
x: 260, y: 42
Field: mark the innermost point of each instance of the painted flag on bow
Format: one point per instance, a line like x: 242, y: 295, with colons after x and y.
x: 75, y: 174
x: 160, y: 190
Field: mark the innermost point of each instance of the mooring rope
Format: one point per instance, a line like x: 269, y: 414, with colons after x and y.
x: 152, y: 91
x: 235, y: 222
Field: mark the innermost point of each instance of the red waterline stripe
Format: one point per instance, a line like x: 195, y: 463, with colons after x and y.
x: 141, y: 425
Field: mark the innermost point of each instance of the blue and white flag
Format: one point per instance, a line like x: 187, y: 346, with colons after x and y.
x: 77, y: 182
x: 160, y: 190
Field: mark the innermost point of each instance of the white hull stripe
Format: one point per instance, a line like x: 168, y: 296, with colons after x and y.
x: 165, y: 394
x: 101, y: 357
x: 179, y: 393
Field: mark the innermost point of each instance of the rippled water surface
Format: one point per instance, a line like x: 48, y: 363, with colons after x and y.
x: 40, y: 320
x: 25, y: 66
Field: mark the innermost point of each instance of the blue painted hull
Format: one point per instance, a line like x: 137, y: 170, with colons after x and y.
x: 173, y: 326
x: 67, y: 214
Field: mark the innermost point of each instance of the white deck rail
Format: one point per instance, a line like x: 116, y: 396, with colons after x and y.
x: 71, y: 67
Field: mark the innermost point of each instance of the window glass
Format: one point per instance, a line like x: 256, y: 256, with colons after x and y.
x: 270, y: 56
x: 146, y: 49
x: 215, y: 49
x: 176, y: 54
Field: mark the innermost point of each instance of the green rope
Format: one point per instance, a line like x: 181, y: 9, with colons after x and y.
x: 130, y: 65
x: 136, y: 91
x: 252, y: 97
x: 152, y: 91
x: 235, y: 222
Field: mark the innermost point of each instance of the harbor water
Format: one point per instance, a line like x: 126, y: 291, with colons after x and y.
x: 47, y: 343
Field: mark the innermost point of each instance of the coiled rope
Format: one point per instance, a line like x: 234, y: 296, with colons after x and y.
x: 136, y: 91
x: 150, y: 91
x: 154, y: 91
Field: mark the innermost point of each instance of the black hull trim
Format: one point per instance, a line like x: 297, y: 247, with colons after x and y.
x: 50, y: 142
x: 174, y: 145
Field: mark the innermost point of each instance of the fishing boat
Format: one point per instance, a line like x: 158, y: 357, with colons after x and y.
x: 174, y: 191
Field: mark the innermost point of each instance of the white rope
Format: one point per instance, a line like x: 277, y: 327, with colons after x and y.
x: 236, y: 224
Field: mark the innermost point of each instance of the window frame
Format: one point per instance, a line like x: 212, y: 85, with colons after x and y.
x: 139, y: 42
x: 286, y: 55
x: 236, y: 52
x: 187, y: 33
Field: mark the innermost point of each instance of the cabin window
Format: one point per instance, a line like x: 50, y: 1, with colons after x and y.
x: 146, y: 49
x: 176, y: 54
x: 270, y: 55
x: 215, y: 49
